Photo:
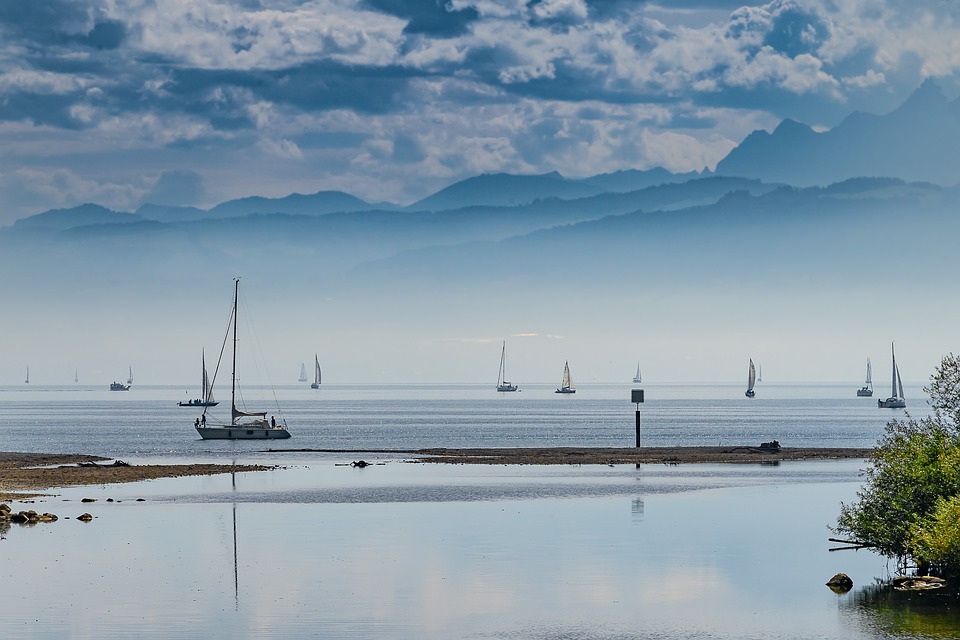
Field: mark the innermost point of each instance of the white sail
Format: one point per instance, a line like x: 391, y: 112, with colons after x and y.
x: 207, y: 387
x: 502, y: 383
x: 637, y: 377
x: 899, y: 384
x: 894, y: 375
x: 130, y: 376
x: 869, y: 380
x: 567, y: 382
x: 303, y: 372
x: 751, y: 377
x: 316, y: 372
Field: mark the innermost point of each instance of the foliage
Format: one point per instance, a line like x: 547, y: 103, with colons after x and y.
x: 937, y: 540
x: 914, y: 464
x: 909, y: 505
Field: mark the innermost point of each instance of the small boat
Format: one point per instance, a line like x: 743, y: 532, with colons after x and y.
x: 27, y: 381
x: 205, y: 388
x: 316, y: 373
x: 896, y: 399
x: 76, y: 376
x: 130, y: 376
x: 119, y: 386
x: 303, y: 372
x: 502, y: 384
x: 751, y: 380
x: 566, y: 384
x: 259, y: 428
x: 866, y: 390
x: 637, y: 378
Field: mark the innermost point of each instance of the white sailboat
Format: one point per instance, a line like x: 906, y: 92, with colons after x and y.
x: 866, y: 390
x: 257, y: 429
x: 502, y: 383
x: 316, y: 372
x: 206, y: 390
x: 76, y: 376
x: 637, y: 377
x: 303, y: 372
x: 751, y: 380
x: 896, y: 399
x: 566, y: 384
x: 27, y: 381
x: 130, y: 376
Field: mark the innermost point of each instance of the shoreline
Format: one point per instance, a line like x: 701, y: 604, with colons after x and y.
x: 608, y: 456
x: 30, y: 475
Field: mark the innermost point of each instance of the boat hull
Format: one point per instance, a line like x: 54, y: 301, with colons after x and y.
x: 507, y: 387
x: 750, y: 393
x: 865, y: 393
x: 241, y: 432
x: 315, y: 385
x: 565, y: 391
x: 892, y: 403
x: 192, y: 403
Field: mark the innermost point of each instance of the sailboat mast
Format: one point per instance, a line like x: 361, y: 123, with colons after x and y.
x: 893, y: 375
x: 233, y: 373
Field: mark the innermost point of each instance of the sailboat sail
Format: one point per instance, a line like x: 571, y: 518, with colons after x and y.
x: 869, y: 380
x: 130, y: 376
x: 316, y: 372
x: 502, y: 383
x: 207, y: 387
x: 751, y: 380
x: 896, y: 399
x: 637, y: 377
x: 566, y: 383
x: 303, y: 372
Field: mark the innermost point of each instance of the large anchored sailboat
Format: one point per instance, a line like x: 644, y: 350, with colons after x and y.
x: 866, y: 390
x: 259, y: 427
x: 502, y: 384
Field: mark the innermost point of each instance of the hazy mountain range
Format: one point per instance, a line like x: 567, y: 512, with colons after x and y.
x: 828, y: 243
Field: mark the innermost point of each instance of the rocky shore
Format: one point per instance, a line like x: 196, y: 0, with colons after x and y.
x: 24, y: 475
x: 625, y: 455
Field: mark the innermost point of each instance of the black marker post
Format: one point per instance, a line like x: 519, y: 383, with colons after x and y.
x: 636, y: 396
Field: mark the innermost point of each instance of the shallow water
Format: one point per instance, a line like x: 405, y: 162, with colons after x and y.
x: 400, y: 550
x: 320, y: 549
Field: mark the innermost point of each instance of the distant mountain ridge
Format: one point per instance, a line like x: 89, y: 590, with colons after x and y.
x: 918, y: 141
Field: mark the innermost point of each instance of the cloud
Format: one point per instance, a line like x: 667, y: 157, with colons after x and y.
x: 418, y: 94
x: 176, y: 188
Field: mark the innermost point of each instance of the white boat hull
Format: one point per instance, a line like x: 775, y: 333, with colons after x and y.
x: 241, y: 432
x: 892, y: 403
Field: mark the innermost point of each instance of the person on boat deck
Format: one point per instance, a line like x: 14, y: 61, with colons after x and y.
x: 196, y: 423
x: 203, y: 419
x: 273, y: 422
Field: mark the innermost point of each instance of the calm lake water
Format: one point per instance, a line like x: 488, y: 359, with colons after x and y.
x: 318, y: 549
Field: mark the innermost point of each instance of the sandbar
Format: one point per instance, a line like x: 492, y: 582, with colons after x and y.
x: 25, y: 475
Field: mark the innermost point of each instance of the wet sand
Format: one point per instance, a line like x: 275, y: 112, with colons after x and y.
x: 25, y: 475
x: 631, y: 455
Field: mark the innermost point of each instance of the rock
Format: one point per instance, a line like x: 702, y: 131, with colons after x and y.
x: 918, y: 583
x: 86, y: 517
x: 840, y: 583
x: 89, y: 500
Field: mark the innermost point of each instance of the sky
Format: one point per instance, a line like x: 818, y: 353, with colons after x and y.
x: 194, y: 102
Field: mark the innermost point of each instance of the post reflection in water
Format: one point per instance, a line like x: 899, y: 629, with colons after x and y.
x: 405, y: 551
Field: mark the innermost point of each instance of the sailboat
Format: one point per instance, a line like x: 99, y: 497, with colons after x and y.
x: 303, y: 372
x: 759, y: 372
x: 867, y: 389
x: 76, y: 376
x: 637, y: 378
x: 502, y: 383
x: 566, y: 384
x: 206, y: 399
x: 316, y: 373
x: 896, y: 399
x: 130, y: 376
x: 27, y: 381
x: 751, y: 380
x: 257, y: 429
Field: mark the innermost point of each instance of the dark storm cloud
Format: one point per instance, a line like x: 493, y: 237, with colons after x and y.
x: 429, y: 17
